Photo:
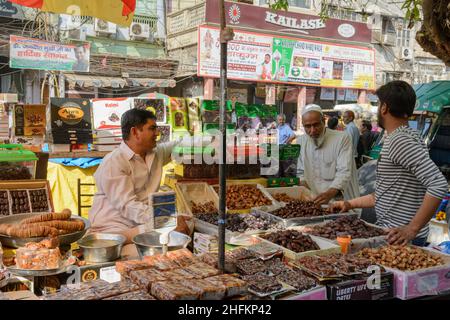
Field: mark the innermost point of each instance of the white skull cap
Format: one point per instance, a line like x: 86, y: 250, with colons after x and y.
x: 311, y: 107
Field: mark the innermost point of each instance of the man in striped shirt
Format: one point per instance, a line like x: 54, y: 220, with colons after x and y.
x: 409, y: 186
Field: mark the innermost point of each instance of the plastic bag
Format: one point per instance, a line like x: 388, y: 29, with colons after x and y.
x: 445, y: 247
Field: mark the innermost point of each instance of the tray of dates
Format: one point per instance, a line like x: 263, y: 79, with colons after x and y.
x: 239, y: 227
x: 299, y: 212
x: 272, y: 277
x: 241, y: 198
x: 287, y: 194
x: 363, y: 234
x: 296, y: 244
x: 405, y: 258
x: 326, y: 266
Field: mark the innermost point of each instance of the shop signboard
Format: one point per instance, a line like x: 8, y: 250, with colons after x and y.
x: 340, y: 94
x: 28, y: 53
x: 265, y: 58
x: 327, y: 94
x: 351, y: 95
x: 259, y: 18
x: 107, y: 112
x: 11, y: 10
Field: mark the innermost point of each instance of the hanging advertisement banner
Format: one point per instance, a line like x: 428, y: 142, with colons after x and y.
x: 249, y: 55
x: 28, y: 53
x: 107, y: 112
x: 264, y: 58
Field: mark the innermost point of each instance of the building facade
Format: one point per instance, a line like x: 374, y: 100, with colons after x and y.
x: 123, y: 61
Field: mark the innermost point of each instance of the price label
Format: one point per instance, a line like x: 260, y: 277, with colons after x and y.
x: 110, y: 274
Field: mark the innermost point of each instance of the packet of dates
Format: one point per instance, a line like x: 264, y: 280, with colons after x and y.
x: 163, y: 210
x: 363, y: 234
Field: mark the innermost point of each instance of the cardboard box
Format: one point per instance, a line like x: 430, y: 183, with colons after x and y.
x: 29, y: 185
x: 409, y: 285
x: 313, y: 294
x: 356, y: 289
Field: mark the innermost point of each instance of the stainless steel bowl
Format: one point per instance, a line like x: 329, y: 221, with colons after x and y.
x: 101, y: 254
x: 148, y: 243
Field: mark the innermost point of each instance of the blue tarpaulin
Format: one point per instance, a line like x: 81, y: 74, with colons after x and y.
x: 77, y: 162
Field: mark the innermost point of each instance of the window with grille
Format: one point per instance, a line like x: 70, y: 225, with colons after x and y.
x: 151, y: 21
x: 344, y: 14
x: 306, y: 4
x: 403, y: 35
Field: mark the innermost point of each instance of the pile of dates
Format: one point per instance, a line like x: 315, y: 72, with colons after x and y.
x: 4, y: 203
x: 256, y: 221
x: 299, y: 208
x: 401, y: 257
x: 268, y: 276
x: 207, y: 207
x: 241, y: 223
x: 335, y: 264
x: 262, y: 283
x: 296, y: 278
x: 20, y: 201
x: 234, y: 222
x: 352, y: 226
x: 39, y: 202
x: 195, y: 171
x: 245, y: 196
x: 14, y: 172
x: 282, y: 197
x: 250, y: 266
x: 292, y: 240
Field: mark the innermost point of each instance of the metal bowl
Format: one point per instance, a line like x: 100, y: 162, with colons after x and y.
x: 13, y: 242
x: 101, y: 254
x: 148, y: 243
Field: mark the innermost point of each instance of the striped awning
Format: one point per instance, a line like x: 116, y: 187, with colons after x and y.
x: 85, y: 81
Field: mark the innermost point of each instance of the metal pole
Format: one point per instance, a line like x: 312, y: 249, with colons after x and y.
x: 225, y: 36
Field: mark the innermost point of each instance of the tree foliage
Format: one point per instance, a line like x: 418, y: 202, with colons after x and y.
x: 434, y: 15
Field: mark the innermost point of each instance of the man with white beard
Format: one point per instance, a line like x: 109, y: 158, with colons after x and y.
x: 326, y: 163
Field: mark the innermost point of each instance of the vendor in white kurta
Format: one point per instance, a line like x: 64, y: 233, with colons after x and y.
x: 127, y: 176
x: 326, y: 161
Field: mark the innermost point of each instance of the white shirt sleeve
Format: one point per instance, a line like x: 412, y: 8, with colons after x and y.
x: 165, y: 149
x: 300, y: 164
x: 117, y: 185
x: 343, y: 164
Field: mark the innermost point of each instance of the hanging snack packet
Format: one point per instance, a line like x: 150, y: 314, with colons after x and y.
x: 178, y: 113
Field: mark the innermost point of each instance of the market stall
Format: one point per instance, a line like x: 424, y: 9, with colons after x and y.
x: 282, y: 248
x: 279, y: 245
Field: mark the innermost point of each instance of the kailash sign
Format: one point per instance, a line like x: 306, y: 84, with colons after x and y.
x: 280, y: 59
x: 249, y: 17
x: 293, y: 23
